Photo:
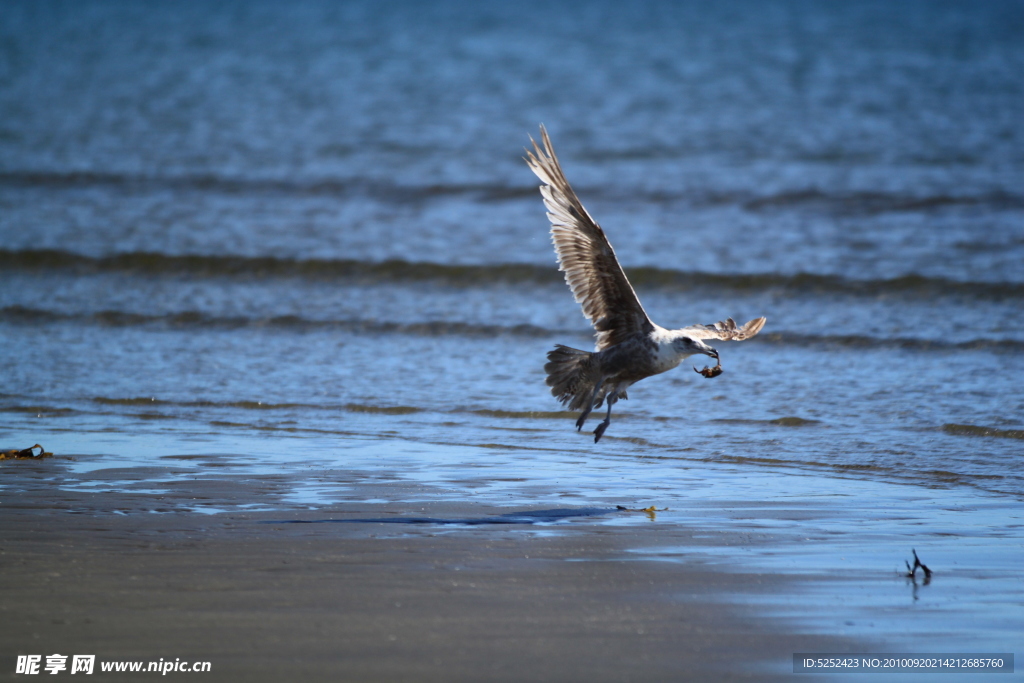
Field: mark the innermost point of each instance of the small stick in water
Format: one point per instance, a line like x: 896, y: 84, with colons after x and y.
x: 912, y: 571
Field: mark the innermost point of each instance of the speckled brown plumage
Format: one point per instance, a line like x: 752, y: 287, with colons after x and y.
x: 629, y: 347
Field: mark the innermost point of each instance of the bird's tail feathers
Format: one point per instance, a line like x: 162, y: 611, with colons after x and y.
x: 572, y: 375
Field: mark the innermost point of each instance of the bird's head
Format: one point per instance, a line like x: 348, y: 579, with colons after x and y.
x: 688, y: 346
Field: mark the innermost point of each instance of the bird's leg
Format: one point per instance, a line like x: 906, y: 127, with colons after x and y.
x: 590, y: 406
x: 611, y: 399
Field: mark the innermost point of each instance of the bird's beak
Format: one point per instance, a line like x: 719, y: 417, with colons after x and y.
x: 713, y: 354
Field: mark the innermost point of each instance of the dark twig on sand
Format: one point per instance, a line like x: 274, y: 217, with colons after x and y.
x: 912, y: 571
x: 24, y: 454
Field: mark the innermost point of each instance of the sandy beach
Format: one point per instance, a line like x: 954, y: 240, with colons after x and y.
x: 264, y: 599
x: 424, y: 588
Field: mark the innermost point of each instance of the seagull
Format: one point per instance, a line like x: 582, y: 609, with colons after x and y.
x: 629, y: 347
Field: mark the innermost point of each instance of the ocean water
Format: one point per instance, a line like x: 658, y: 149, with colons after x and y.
x: 223, y: 222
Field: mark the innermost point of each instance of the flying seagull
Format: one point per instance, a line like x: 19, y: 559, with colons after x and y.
x: 629, y: 345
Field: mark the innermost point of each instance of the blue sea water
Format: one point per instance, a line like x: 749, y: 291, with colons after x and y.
x: 317, y: 216
x: 305, y: 233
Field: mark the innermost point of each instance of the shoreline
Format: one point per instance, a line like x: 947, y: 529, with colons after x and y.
x: 406, y: 577
x: 362, y: 602
x: 379, y: 601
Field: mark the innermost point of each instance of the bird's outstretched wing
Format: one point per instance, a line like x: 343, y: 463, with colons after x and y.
x: 725, y: 330
x: 586, y: 256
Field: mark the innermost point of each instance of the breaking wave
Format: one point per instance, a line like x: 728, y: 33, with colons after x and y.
x: 870, y: 202
x: 334, y: 187
x: 974, y: 430
x: 188, y: 320
x: 149, y: 263
x: 196, y: 320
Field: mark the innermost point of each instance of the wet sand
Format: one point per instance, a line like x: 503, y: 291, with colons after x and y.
x: 405, y: 566
x: 264, y: 599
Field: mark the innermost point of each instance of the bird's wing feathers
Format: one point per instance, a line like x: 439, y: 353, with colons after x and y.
x: 586, y: 256
x: 725, y: 330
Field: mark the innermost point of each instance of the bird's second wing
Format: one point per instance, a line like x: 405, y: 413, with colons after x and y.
x: 586, y: 256
x: 726, y: 330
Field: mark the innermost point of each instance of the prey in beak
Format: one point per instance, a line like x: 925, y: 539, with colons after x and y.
x: 711, y: 372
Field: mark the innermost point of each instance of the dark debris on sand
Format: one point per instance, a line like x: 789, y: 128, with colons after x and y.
x: 24, y: 453
x: 912, y: 571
